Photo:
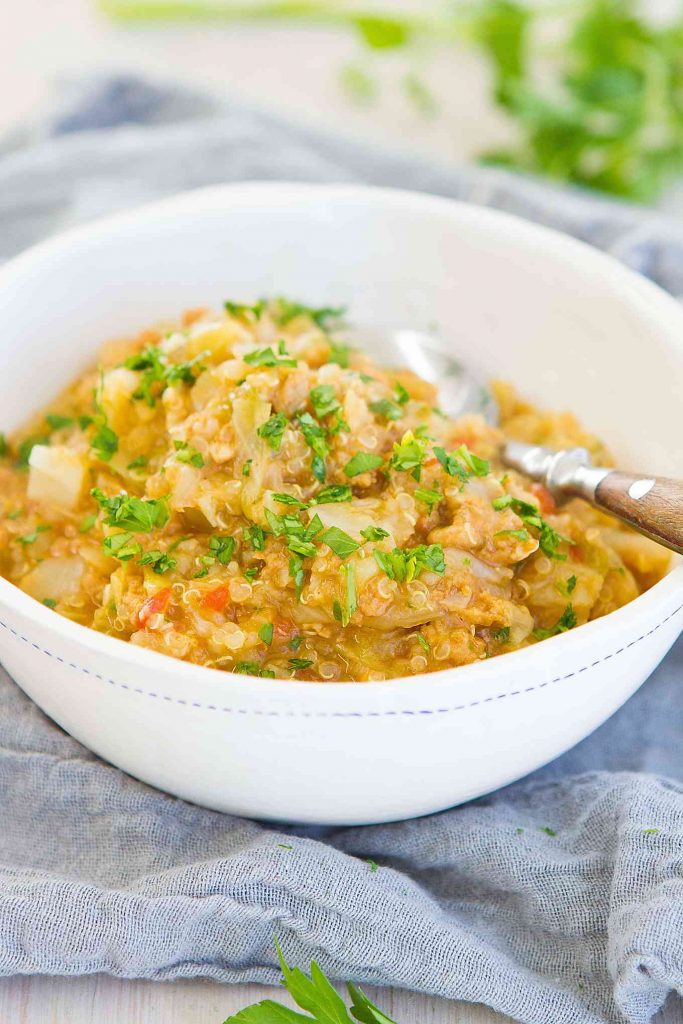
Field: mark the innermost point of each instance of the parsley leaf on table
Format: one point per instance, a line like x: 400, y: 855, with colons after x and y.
x: 316, y: 995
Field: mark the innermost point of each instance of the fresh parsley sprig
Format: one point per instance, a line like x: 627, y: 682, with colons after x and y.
x: 316, y: 995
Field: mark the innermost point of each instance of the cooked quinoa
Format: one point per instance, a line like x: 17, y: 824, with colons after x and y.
x: 245, y: 492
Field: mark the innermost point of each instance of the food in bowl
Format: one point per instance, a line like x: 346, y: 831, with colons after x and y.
x: 247, y: 492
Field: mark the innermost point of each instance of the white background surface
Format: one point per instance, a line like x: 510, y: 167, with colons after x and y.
x: 297, y: 71
x: 43, y: 41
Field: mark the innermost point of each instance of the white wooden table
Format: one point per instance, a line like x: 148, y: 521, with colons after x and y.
x: 42, y: 41
x: 92, y: 1000
x: 96, y: 999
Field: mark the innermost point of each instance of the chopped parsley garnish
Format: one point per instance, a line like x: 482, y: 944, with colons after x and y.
x: 246, y: 468
x: 387, y: 409
x: 222, y: 549
x: 273, y: 429
x: 141, y: 515
x: 405, y: 564
x: 296, y: 642
x: 315, y: 437
x: 339, y: 354
x: 462, y: 463
x: 300, y: 546
x: 318, y: 468
x: 50, y: 602
x: 252, y: 668
x: 299, y: 538
x: 548, y: 831
x: 255, y: 536
x: 252, y: 572
x: 15, y: 514
x: 521, y: 535
x: 157, y: 374
x: 186, y: 453
x: 566, y: 587
x: 502, y: 635
x: 333, y: 494
x: 84, y: 422
x: 4, y: 446
x: 409, y: 454
x: 268, y: 357
x: 565, y: 622
x: 324, y: 400
x: 27, y: 446
x: 374, y: 533
x: 160, y: 561
x: 362, y: 462
x: 240, y: 310
x: 339, y: 542
x: 297, y: 663
x: 57, y: 422
x: 322, y: 316
x: 451, y: 464
x: 87, y: 523
x: 266, y: 633
x: 475, y: 465
x: 289, y: 499
x: 296, y: 571
x: 344, y: 613
x: 429, y: 497
x: 32, y: 537
x: 121, y: 546
x: 104, y: 441
x: 402, y: 396
x: 549, y: 539
x: 138, y: 463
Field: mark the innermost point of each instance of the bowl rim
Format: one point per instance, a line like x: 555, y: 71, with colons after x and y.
x: 638, y: 292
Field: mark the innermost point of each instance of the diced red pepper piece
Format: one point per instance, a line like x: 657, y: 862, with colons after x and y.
x: 216, y: 599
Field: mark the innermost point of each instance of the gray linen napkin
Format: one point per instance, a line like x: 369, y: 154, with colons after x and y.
x: 558, y: 900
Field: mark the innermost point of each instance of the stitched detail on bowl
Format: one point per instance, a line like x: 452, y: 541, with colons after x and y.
x: 338, y: 714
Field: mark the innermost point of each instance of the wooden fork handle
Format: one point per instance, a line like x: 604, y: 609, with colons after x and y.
x: 653, y: 505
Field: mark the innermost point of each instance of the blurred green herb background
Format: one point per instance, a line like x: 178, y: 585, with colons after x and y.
x: 592, y: 88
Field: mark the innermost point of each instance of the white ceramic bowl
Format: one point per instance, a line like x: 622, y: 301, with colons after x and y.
x: 569, y: 325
